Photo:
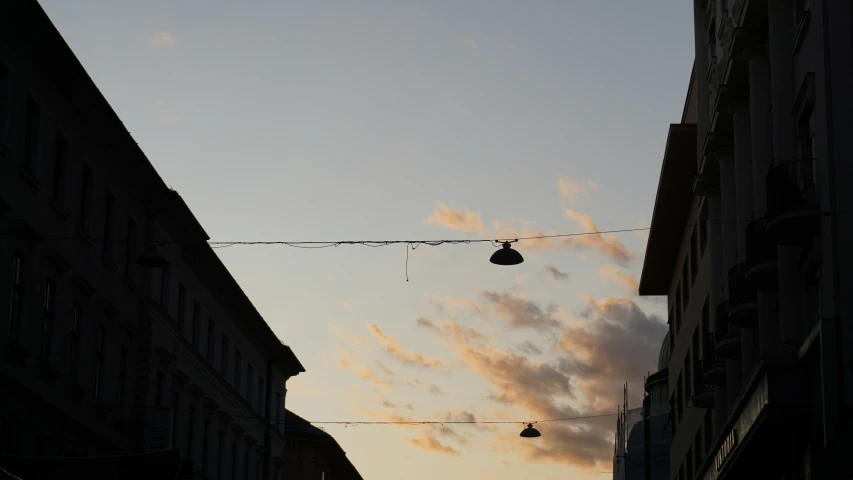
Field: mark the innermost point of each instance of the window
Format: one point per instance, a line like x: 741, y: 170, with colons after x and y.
x: 690, y: 462
x: 220, y: 452
x: 31, y: 137
x: 204, y: 431
x: 17, y: 296
x: 223, y: 364
x: 190, y: 429
x: 99, y: 360
x: 238, y: 365
x: 182, y: 300
x: 233, y: 460
x: 278, y: 423
x: 685, y: 273
x: 680, y: 396
x: 130, y: 249
x: 196, y: 325
x: 246, y: 465
x: 712, y: 41
x: 47, y: 320
x: 4, y: 97
x: 694, y: 257
x: 164, y: 287
x: 60, y: 159
x: 257, y: 470
x: 261, y: 395
x: 176, y: 403
x: 158, y: 393
x: 697, y: 373
x: 85, y: 197
x: 249, y: 382
x: 697, y: 448
x: 76, y: 318
x: 210, y: 347
x: 678, y: 309
x: 109, y: 219
x: 687, y: 373
x: 724, y: 7
x: 122, y: 375
x: 806, y: 133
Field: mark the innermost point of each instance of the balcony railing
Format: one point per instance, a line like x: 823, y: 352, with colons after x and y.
x: 759, y: 247
x: 791, y: 185
x: 740, y: 292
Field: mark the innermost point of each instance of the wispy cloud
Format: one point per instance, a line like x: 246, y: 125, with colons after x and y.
x: 470, y: 43
x: 347, y: 305
x: 391, y: 405
x: 555, y: 274
x: 429, y: 443
x: 395, y: 349
x: 571, y: 190
x: 162, y: 39
x: 462, y: 220
x: 522, y: 313
x: 605, y: 244
x: 581, y: 377
x: 629, y: 283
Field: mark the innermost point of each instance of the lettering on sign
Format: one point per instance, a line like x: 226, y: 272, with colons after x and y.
x: 726, y: 449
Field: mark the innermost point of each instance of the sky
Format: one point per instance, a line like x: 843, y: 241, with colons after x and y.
x: 420, y: 120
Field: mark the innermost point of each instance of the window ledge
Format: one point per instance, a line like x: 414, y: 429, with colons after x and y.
x: 29, y: 178
x: 58, y: 208
x: 802, y: 27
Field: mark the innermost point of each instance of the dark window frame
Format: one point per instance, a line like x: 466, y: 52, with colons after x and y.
x: 74, y: 351
x: 109, y: 224
x: 17, y: 296
x: 100, y: 347
x: 48, y: 318
x: 62, y: 147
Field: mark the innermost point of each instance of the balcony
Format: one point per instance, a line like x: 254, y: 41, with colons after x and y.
x: 726, y: 338
x: 704, y: 397
x: 793, y: 213
x: 714, y: 370
x: 761, y: 270
x: 743, y: 301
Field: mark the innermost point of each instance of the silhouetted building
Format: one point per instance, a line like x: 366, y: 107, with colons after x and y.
x: 101, y: 356
x: 749, y: 242
x: 312, y: 454
x: 643, y: 436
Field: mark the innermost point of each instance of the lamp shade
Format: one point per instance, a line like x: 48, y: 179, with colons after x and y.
x: 151, y: 258
x: 506, y: 256
x: 530, y: 432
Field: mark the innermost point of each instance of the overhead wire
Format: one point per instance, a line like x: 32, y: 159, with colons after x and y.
x: 383, y: 243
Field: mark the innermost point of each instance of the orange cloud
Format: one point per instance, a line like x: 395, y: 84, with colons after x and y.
x: 163, y: 39
x: 605, y: 244
x: 626, y: 281
x: 429, y: 443
x: 465, y: 221
x: 395, y: 349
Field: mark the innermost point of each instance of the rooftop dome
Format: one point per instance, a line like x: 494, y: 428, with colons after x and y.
x: 663, y: 357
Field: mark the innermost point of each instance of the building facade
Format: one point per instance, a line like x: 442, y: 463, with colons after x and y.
x: 312, y: 454
x: 748, y: 243
x: 101, y: 356
x: 643, y: 436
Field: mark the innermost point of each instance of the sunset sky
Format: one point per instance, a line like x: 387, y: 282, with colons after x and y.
x: 435, y: 119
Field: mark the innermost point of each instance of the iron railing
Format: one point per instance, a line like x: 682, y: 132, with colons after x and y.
x: 724, y: 329
x: 791, y: 185
x: 759, y: 247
